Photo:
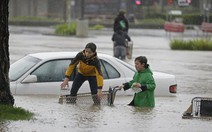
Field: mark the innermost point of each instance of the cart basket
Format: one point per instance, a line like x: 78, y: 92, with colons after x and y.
x: 107, y: 98
x: 201, y: 107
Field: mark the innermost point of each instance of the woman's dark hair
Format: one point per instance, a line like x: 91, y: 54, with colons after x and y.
x: 142, y: 59
x: 92, y: 46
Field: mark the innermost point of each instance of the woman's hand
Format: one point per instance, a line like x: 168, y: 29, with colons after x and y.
x: 64, y: 84
x: 99, y: 94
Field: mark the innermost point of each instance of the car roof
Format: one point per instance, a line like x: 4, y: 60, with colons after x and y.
x: 58, y: 55
x: 72, y: 54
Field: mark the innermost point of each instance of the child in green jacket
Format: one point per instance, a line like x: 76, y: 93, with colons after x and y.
x: 143, y: 83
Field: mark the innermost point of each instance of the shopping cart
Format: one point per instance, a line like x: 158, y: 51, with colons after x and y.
x: 107, y: 98
x: 129, y: 49
x: 201, y: 107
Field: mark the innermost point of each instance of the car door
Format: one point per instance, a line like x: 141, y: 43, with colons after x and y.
x: 113, y: 76
x: 49, y: 76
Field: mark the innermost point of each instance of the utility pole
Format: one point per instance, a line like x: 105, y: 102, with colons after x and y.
x: 206, y: 8
x: 67, y: 11
x: 82, y: 23
x: 82, y: 9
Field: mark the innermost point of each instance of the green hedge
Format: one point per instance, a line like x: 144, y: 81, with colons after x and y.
x: 33, y: 19
x: 97, y: 27
x: 152, y: 21
x: 197, y: 44
x: 156, y: 16
x: 188, y: 19
x: 66, y: 29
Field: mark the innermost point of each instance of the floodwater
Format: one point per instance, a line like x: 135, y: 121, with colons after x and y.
x: 191, y: 68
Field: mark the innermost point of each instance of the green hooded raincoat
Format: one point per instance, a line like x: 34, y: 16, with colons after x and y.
x: 144, y: 98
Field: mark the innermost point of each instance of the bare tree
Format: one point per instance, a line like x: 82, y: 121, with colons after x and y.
x: 5, y: 94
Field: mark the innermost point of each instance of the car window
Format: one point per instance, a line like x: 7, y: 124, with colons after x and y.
x: 21, y: 66
x: 129, y: 66
x: 109, y: 72
x: 105, y: 76
x: 52, y: 71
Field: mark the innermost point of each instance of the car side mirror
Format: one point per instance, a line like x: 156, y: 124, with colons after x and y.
x: 30, y: 79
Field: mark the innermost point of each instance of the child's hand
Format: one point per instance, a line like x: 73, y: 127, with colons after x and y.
x: 64, y: 84
x: 136, y: 85
x: 99, y: 94
x: 121, y: 86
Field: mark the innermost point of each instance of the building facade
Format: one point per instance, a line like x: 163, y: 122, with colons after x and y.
x: 73, y: 9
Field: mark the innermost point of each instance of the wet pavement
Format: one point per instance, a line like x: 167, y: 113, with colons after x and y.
x: 191, y: 68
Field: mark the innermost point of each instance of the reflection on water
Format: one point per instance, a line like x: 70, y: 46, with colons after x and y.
x: 55, y: 117
x: 4, y: 126
x: 192, y: 70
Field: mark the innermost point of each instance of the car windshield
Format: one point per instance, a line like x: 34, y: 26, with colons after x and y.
x: 21, y: 66
x: 131, y: 67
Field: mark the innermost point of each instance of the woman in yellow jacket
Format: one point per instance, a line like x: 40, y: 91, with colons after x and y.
x: 89, y: 69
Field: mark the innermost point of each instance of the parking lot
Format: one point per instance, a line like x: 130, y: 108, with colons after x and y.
x: 192, y: 70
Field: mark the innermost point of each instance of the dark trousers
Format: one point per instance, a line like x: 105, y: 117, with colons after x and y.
x: 120, y: 52
x: 79, y: 80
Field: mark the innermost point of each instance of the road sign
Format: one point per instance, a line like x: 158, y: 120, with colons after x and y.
x: 184, y: 2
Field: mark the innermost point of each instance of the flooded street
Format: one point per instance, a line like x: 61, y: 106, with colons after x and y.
x: 55, y: 117
x: 191, y: 68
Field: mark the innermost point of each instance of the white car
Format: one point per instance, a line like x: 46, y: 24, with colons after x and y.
x: 42, y: 74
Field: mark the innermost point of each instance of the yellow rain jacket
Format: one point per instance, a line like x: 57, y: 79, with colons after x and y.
x: 87, y: 67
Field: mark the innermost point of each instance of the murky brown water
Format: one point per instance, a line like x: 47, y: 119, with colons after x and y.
x: 55, y: 117
x: 192, y: 70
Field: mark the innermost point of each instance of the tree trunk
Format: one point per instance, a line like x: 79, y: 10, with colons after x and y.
x: 5, y: 94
